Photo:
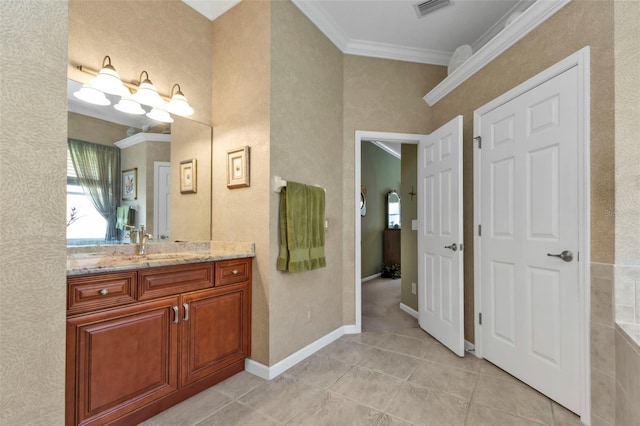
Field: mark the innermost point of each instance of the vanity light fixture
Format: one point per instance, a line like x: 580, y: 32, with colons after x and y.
x: 108, y: 80
x: 160, y: 114
x: 147, y: 94
x: 129, y: 106
x: 91, y: 95
x: 179, y: 104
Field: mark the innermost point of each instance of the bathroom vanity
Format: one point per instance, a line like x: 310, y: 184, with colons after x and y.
x: 146, y: 332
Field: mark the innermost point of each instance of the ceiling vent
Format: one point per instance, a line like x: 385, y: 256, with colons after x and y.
x: 429, y: 6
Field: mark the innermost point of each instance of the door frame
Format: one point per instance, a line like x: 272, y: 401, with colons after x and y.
x: 579, y: 60
x: 360, y: 137
x: 156, y: 191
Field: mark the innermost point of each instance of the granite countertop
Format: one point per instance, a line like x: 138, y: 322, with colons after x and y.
x: 114, y: 258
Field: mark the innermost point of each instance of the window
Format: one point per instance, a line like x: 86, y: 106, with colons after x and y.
x: 88, y: 226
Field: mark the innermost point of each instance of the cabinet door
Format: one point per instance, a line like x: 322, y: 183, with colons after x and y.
x: 122, y: 359
x: 215, y: 330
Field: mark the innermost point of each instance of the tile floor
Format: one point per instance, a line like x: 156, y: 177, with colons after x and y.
x: 390, y: 375
x: 382, y: 378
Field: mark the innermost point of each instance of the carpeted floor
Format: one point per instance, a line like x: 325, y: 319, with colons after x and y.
x: 381, y: 306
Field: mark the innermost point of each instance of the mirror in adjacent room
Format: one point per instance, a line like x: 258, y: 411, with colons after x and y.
x: 150, y: 154
x: 393, y: 210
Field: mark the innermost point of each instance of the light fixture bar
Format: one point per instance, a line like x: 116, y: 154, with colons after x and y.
x: 130, y: 85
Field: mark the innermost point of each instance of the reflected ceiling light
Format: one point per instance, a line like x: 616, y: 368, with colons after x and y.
x: 147, y: 94
x: 129, y: 106
x: 179, y: 104
x: 161, y: 115
x: 91, y: 95
x: 108, y: 80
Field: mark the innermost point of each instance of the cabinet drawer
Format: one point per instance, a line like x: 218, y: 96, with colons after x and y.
x: 233, y: 271
x: 158, y: 282
x: 94, y: 292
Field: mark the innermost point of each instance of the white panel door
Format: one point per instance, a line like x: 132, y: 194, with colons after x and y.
x: 162, y: 189
x: 440, y: 256
x: 529, y: 217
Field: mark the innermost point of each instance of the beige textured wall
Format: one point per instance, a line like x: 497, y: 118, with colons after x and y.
x: 190, y: 213
x: 409, y: 237
x: 379, y: 95
x: 306, y: 131
x: 241, y: 98
x: 94, y: 130
x: 173, y: 45
x: 33, y: 137
x: 627, y: 91
x: 561, y: 35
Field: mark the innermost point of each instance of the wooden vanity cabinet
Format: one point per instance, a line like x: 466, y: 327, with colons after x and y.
x: 130, y: 362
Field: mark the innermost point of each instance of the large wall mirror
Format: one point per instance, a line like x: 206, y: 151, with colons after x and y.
x: 146, y: 188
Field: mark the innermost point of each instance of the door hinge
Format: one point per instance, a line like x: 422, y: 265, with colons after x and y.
x: 479, y: 139
x: 479, y: 230
x: 480, y: 318
x: 461, y: 246
x: 578, y: 257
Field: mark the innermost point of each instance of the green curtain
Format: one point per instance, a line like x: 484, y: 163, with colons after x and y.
x: 98, y: 169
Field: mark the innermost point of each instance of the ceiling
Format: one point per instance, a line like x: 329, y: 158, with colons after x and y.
x: 391, y: 29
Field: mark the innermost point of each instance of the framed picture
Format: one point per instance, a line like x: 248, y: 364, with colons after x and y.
x: 188, y: 176
x: 130, y: 184
x: 238, y: 167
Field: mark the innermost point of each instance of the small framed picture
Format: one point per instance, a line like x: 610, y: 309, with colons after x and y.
x: 188, y: 176
x: 130, y: 184
x: 238, y: 167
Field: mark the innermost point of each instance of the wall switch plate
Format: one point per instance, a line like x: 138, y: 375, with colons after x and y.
x: 414, y: 225
x: 413, y: 288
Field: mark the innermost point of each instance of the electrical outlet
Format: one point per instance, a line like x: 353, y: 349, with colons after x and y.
x: 413, y: 288
x: 308, y: 315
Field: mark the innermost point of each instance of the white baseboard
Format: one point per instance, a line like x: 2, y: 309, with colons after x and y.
x: 370, y: 277
x: 278, y: 368
x: 409, y: 310
x: 351, y: 329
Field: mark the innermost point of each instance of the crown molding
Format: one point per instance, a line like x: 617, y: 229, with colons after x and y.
x: 324, y: 22
x: 211, y: 9
x: 142, y: 137
x: 535, y: 15
x: 339, y: 38
x: 400, y: 53
x: 386, y: 148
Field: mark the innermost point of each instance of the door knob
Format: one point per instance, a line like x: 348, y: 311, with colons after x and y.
x: 453, y: 247
x: 566, y: 255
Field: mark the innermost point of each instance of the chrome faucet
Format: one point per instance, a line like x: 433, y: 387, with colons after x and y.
x: 139, y: 238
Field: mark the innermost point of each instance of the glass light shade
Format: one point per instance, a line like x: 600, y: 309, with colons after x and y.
x: 108, y: 81
x: 160, y: 115
x: 147, y: 94
x: 91, y: 95
x: 129, y: 106
x: 179, y: 105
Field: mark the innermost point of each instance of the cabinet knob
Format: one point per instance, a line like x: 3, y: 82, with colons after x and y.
x: 104, y: 292
x: 234, y: 272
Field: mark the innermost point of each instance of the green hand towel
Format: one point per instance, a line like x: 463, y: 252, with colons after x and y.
x: 122, y: 217
x: 301, y: 228
x: 315, y: 212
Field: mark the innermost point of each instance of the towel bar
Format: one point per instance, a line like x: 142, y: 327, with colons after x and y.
x: 279, y: 183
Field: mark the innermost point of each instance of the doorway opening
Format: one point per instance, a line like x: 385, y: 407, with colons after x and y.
x: 368, y: 137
